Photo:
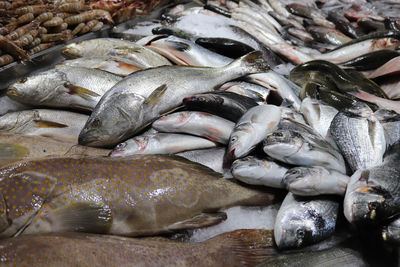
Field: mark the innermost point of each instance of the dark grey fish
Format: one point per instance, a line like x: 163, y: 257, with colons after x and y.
x: 227, y: 105
x: 224, y: 46
x: 303, y: 221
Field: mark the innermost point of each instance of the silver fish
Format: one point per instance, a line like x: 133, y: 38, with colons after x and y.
x: 298, y: 144
x: 373, y: 195
x: 186, y: 52
x: 390, y: 121
x: 160, y: 143
x: 211, y: 157
x: 106, y: 47
x: 202, y: 124
x: 64, y: 86
x: 251, y: 129
x: 314, y: 181
x: 113, y: 65
x: 60, y: 125
x: 247, y: 89
x: 304, y: 221
x: 145, y: 95
x: 359, y: 136
x: 8, y: 105
x: 252, y: 170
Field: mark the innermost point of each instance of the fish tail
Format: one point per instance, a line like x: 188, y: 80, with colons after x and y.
x: 246, y: 247
x: 250, y: 63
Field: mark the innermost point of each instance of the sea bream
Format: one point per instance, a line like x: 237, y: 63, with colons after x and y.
x: 138, y: 195
x: 65, y: 87
x: 145, y: 95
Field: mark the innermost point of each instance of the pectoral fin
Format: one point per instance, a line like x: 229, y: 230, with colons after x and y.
x: 82, y: 92
x: 156, y: 95
x: 201, y: 220
x: 49, y: 124
x: 83, y: 217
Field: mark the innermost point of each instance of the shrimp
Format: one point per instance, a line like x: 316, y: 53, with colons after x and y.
x: 56, y: 21
x: 27, y: 38
x: 6, y: 59
x: 72, y: 7
x: 90, y: 15
x: 11, y: 48
x: 40, y: 47
x: 25, y: 18
x: 78, y: 28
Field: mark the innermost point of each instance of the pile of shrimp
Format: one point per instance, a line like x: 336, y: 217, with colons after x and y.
x: 30, y: 26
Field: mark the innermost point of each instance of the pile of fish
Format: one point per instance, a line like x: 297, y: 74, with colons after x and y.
x: 28, y: 27
x: 230, y: 103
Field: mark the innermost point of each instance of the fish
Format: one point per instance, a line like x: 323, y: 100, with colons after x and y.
x: 382, y: 103
x: 342, y: 23
x: 202, y: 124
x: 143, y: 96
x: 289, y: 114
x: 161, y: 143
x: 360, y: 137
x: 257, y: 171
x: 225, y: 46
x: 371, y: 61
x: 19, y: 147
x: 298, y: 144
x: 112, y: 65
x: 64, y: 87
x: 341, y: 255
x: 104, y: 47
x: 391, y: 86
x: 373, y: 194
x: 251, y: 129
x: 328, y: 35
x: 8, y: 105
x: 186, y: 52
x: 132, y: 196
x: 344, y: 82
x: 303, y: 221
x: 247, y: 89
x: 319, y: 116
x: 317, y: 15
x: 314, y: 181
x: 390, y: 121
x: 237, y: 248
x: 63, y: 126
x: 225, y: 104
x: 210, y: 157
x: 278, y: 83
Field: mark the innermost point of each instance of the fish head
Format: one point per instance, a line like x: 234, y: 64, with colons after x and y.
x: 248, y: 167
x: 285, y: 142
x: 294, y: 233
x: 73, y: 50
x: 113, y: 120
x: 364, y: 205
x: 240, y: 142
x: 294, y: 174
x: 37, y: 88
x: 175, y: 48
x: 131, y: 146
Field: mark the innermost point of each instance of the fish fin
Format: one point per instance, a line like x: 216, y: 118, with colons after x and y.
x: 248, y: 247
x: 156, y: 95
x: 84, y: 217
x: 82, y: 92
x: 13, y: 151
x: 250, y: 63
x: 49, y: 124
x: 201, y: 220
x: 180, y: 46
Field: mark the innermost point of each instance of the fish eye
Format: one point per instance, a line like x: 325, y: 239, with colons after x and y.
x: 233, y: 139
x: 23, y: 80
x: 373, y: 205
x: 121, y: 145
x: 278, y: 134
x: 300, y: 233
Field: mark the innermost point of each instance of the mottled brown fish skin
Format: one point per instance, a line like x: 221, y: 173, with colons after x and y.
x: 238, y: 248
x: 17, y: 147
x: 137, y: 195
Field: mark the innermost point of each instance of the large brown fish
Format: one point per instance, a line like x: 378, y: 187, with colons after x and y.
x: 18, y: 147
x: 138, y: 195
x: 238, y: 248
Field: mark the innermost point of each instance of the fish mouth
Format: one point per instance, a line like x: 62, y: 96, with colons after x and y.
x: 91, y: 139
x: 116, y: 153
x: 12, y: 92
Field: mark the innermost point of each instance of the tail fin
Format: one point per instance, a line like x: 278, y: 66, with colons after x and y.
x: 250, y: 63
x: 245, y: 247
